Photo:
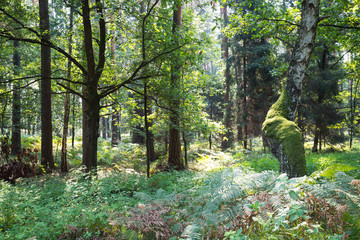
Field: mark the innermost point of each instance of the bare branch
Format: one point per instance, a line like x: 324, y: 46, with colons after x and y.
x: 72, y: 91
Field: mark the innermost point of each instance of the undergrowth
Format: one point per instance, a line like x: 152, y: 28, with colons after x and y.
x: 232, y: 203
x: 232, y: 195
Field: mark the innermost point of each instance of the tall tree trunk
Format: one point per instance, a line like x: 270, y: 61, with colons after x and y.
x: 227, y: 138
x: 46, y: 114
x: 175, y: 156
x: 351, y: 113
x: 73, y: 124
x: 16, y: 113
x: 92, y: 97
x: 283, y: 135
x: 64, y: 167
x: 115, y: 118
x: 244, y: 102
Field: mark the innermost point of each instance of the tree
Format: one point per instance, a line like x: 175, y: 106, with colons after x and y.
x: 283, y: 135
x: 228, y: 136
x: 16, y: 113
x: 64, y: 167
x: 46, y: 125
x: 175, y: 155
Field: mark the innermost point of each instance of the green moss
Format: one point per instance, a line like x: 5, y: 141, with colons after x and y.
x: 285, y: 132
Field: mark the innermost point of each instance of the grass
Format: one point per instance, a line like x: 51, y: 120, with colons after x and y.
x: 224, y: 195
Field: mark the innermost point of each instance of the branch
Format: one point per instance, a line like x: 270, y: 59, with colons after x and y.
x: 15, y: 79
x: 68, y: 80
x: 284, y: 41
x: 37, y: 41
x: 26, y: 85
x: 321, y: 19
x: 132, y: 77
x: 340, y: 26
x: 72, y: 91
x: 343, y: 56
x: 48, y: 44
x: 20, y: 23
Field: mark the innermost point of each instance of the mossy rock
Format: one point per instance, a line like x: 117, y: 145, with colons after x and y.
x: 285, y: 138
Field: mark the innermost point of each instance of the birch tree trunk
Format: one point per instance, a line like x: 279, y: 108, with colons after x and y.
x: 283, y: 136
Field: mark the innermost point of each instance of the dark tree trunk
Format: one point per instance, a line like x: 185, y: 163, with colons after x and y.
x: 243, y: 100
x: 227, y: 138
x: 283, y: 135
x: 138, y: 135
x: 5, y: 103
x: 175, y: 156
x: 16, y: 113
x: 46, y: 114
x: 64, y: 166
x: 316, y: 138
x: 92, y: 97
x: 185, y: 148
x: 84, y: 129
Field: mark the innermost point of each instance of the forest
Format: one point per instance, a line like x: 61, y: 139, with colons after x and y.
x: 179, y: 119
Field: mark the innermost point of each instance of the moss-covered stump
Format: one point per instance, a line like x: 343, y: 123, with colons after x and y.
x: 284, y: 138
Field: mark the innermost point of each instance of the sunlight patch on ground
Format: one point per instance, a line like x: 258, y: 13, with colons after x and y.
x: 213, y: 161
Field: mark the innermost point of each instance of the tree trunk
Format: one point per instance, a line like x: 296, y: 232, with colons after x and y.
x: 185, y: 148
x: 283, y: 135
x: 351, y: 130
x: 46, y: 114
x: 115, y: 118
x: 92, y: 97
x: 175, y: 156
x: 16, y: 113
x: 244, y: 102
x: 104, y: 126
x: 73, y: 125
x: 64, y: 167
x: 115, y: 121
x: 227, y: 138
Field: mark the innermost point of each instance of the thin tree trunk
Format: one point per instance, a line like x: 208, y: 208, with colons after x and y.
x: 115, y: 119
x: 16, y: 113
x: 227, y: 139
x: 46, y: 114
x: 104, y: 126
x: 64, y: 167
x: 351, y: 113
x: 73, y: 125
x: 244, y: 103
x: 185, y: 148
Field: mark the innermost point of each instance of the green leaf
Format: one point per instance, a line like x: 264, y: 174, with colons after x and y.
x: 293, y: 195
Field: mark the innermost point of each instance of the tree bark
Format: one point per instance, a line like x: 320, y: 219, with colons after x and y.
x: 228, y: 137
x: 16, y: 113
x: 92, y: 97
x: 64, y: 166
x: 282, y: 133
x: 46, y: 114
x: 175, y: 155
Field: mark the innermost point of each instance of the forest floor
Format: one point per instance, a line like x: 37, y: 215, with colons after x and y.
x: 237, y: 194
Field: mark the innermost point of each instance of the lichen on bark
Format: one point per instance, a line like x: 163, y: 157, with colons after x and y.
x: 284, y: 138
